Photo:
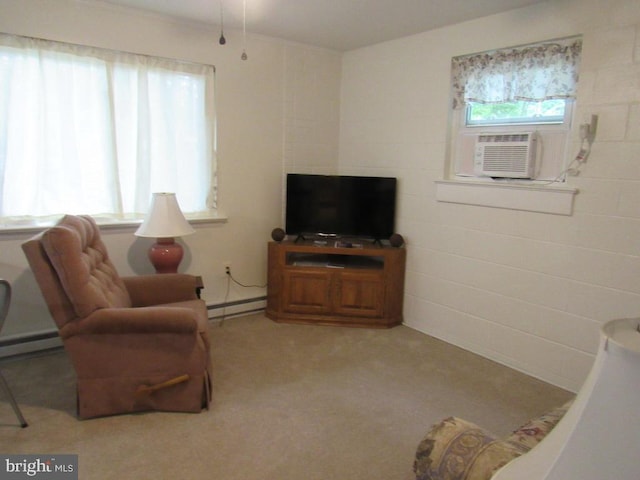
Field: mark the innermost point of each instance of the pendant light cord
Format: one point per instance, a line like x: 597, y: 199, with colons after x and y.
x: 244, y: 30
x: 222, y: 39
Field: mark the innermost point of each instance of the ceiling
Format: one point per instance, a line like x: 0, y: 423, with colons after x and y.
x: 336, y: 24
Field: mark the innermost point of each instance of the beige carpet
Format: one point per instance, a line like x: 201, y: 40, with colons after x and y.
x: 290, y: 402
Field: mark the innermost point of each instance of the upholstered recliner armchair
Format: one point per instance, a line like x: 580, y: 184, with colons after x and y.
x: 136, y: 343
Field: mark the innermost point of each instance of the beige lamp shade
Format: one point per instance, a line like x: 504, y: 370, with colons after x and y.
x: 599, y: 436
x: 165, y: 219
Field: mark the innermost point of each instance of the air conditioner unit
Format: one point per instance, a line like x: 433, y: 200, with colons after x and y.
x: 510, y: 155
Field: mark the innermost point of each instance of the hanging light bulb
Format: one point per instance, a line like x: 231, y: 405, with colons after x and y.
x: 244, y: 30
x: 222, y: 40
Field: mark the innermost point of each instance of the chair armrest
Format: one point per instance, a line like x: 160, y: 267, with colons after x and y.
x: 456, y: 449
x: 134, y: 320
x: 147, y: 290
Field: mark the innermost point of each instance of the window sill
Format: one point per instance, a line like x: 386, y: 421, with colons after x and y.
x: 105, y: 223
x: 530, y: 197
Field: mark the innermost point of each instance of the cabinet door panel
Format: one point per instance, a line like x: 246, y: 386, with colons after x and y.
x: 359, y: 294
x: 306, y: 292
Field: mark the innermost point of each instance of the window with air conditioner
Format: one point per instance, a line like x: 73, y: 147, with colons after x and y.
x: 513, y: 110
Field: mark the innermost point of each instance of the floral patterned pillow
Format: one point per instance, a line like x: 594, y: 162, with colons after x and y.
x: 532, y: 432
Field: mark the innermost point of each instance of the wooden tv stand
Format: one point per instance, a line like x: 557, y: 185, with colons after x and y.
x: 333, y: 285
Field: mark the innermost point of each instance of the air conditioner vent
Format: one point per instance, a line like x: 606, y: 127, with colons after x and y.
x: 510, y: 155
x: 504, y: 137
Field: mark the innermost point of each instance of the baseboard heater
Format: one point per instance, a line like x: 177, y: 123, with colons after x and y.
x: 29, y: 343
x: 32, y: 343
x: 235, y: 308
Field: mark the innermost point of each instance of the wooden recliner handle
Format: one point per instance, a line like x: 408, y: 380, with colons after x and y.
x: 149, y: 389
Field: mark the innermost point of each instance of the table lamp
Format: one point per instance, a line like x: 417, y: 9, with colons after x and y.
x: 164, y: 222
x: 599, y: 435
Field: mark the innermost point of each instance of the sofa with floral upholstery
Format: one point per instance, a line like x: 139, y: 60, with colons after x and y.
x: 456, y: 449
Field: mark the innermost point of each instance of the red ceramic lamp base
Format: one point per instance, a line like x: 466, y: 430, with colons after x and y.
x: 166, y: 255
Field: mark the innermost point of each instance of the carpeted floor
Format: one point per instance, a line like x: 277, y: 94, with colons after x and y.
x: 290, y: 402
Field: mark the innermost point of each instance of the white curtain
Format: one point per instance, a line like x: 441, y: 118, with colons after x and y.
x: 92, y: 131
x: 537, y: 72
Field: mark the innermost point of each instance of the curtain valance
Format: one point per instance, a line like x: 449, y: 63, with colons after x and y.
x: 537, y: 72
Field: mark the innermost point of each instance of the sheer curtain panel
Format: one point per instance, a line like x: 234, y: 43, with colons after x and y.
x: 92, y: 131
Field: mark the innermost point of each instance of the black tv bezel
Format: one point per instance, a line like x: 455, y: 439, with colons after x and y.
x: 371, y: 234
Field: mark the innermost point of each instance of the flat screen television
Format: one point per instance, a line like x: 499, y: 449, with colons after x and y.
x: 340, y: 205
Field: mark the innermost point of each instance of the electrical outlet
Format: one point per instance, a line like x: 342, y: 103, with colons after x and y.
x: 227, y: 267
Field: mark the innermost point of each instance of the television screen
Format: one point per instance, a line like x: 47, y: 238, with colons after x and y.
x: 348, y: 206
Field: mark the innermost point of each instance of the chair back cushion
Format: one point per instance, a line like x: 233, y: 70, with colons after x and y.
x: 47, y: 279
x: 82, y: 264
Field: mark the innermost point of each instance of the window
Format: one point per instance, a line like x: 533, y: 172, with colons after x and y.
x: 542, y: 112
x: 86, y: 130
x: 524, y: 89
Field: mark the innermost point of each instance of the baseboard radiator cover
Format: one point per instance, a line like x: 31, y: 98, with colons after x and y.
x: 222, y: 311
x: 37, y: 342
x: 28, y: 343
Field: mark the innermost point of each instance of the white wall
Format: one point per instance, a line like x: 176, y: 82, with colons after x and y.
x: 268, y: 110
x: 527, y: 289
